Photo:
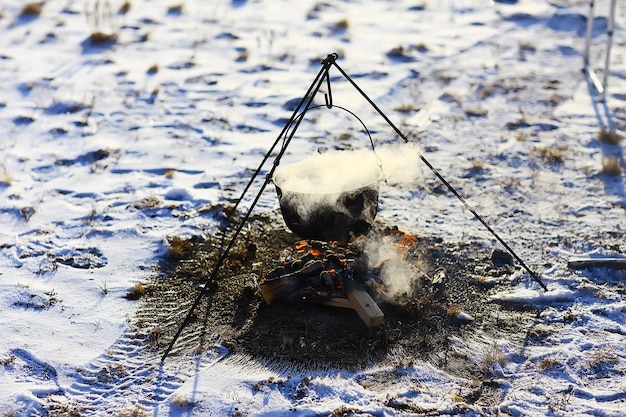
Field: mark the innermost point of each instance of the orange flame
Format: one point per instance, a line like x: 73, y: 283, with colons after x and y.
x: 301, y: 246
x: 407, y: 240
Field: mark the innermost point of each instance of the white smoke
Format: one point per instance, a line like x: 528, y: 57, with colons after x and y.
x: 399, y: 277
x: 339, y: 171
x: 317, y: 181
x: 401, y: 164
x: 330, y: 172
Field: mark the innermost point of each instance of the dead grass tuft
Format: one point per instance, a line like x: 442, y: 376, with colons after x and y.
x: 148, y: 203
x: 341, y: 25
x: 553, y: 155
x: 555, y: 99
x: 137, y: 411
x: 101, y: 38
x: 344, y: 411
x: 8, y: 361
x: 477, y: 166
x: 610, y: 137
x: 422, y: 47
x: 611, y: 166
x: 548, y: 363
x: 5, y: 177
x: 527, y: 46
x: 176, y: 9
x: 603, y: 361
x: 454, y: 310
x: 31, y: 10
x: 539, y: 331
x: 178, y: 247
x: 124, y: 8
x: 406, y: 108
x: 492, y: 357
x: 103, y: 29
x: 153, y: 69
x: 136, y: 292
x: 476, y: 111
x: 243, y: 55
x: 60, y: 407
x: 182, y: 401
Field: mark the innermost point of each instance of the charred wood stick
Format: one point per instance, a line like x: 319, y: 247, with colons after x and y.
x: 283, y: 285
x: 613, y: 263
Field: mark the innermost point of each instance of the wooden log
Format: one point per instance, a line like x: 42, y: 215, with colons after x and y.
x: 613, y: 263
x: 286, y: 284
x: 361, y: 301
x: 338, y: 302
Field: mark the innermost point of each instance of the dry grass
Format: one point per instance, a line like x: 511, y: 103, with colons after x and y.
x: 5, y: 177
x: 477, y: 166
x: 148, y: 203
x: 136, y: 292
x: 540, y: 331
x: 8, y: 360
x: 153, y: 69
x: 610, y: 137
x: 553, y: 155
x: 101, y: 38
x: 492, y: 357
x: 345, y: 411
x: 422, y: 47
x: 341, y: 25
x: 124, y: 8
x: 406, y: 108
x: 137, y: 411
x: 243, y: 55
x: 176, y: 9
x: 454, y: 310
x: 548, y: 363
x: 476, y: 111
x: 555, y: 99
x: 178, y: 248
x: 611, y: 166
x: 398, y: 51
x: 603, y: 358
x: 100, y: 18
x: 31, y: 10
x: 182, y: 401
x: 527, y: 46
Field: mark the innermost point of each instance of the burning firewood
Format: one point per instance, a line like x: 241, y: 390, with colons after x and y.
x: 283, y: 285
x: 326, y: 273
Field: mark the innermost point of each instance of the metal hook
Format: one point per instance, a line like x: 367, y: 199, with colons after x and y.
x: 327, y: 62
x: 328, y: 97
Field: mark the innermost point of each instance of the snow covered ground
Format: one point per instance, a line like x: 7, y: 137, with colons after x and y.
x: 110, y: 148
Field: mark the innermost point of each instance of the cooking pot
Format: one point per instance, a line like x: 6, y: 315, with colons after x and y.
x: 328, y: 196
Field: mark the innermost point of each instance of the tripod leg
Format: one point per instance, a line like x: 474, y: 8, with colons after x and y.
x: 609, y: 43
x: 588, y: 36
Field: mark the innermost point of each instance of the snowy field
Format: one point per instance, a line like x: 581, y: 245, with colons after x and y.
x: 112, y: 145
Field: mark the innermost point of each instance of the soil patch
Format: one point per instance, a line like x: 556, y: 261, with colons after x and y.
x: 420, y: 327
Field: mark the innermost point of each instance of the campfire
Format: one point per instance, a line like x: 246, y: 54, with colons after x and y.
x: 335, y: 274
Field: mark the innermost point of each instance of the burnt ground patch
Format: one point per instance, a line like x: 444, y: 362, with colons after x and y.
x: 422, y: 326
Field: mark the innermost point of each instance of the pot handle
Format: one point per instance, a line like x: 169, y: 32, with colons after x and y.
x: 367, y: 131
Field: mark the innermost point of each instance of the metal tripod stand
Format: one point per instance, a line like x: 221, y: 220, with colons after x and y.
x: 286, y: 135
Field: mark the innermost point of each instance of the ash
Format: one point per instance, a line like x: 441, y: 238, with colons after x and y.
x: 448, y: 299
